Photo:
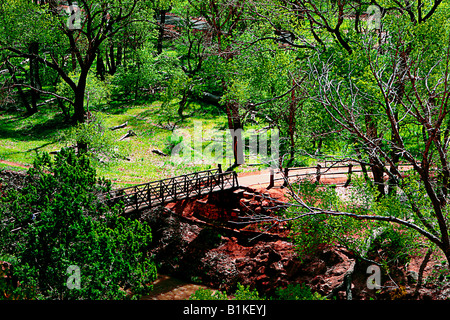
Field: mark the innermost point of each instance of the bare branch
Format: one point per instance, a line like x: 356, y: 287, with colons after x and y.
x: 43, y: 92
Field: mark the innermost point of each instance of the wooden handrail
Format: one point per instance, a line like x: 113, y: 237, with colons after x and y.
x: 175, y: 188
x: 323, y: 171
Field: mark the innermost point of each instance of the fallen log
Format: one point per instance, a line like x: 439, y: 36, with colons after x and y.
x: 123, y: 125
x: 165, y: 127
x: 160, y: 153
x: 130, y: 133
x: 45, y: 102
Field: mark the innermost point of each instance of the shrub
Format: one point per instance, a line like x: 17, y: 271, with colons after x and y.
x: 314, y: 232
x: 100, y: 142
x: 63, y: 222
x: 291, y: 292
x: 297, y: 292
x: 208, y: 294
x: 242, y: 293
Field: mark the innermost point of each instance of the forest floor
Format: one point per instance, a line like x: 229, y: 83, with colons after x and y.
x: 22, y: 137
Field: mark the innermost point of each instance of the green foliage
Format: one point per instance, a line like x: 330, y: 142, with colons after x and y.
x: 242, y: 63
x: 28, y: 21
x: 245, y: 293
x: 97, y: 92
x: 241, y: 293
x: 393, y: 247
x: 291, y: 292
x: 297, y: 292
x: 397, y: 242
x: 63, y: 222
x: 314, y: 232
x: 208, y: 294
x: 102, y: 144
x: 150, y: 71
x: 171, y: 142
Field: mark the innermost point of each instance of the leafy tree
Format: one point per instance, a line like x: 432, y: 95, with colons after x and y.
x: 59, y: 219
x: 80, y: 33
x: 97, y: 92
x: 399, y: 120
x: 226, y: 19
x: 386, y: 90
x: 95, y: 140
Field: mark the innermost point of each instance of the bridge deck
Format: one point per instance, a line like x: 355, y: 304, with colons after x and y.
x: 160, y: 192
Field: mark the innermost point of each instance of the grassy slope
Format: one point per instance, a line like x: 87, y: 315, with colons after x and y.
x: 21, y: 137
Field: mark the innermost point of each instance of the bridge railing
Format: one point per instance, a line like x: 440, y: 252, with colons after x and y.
x: 319, y: 171
x: 176, y: 188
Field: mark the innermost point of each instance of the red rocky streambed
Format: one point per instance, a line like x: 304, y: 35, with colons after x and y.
x: 189, y: 243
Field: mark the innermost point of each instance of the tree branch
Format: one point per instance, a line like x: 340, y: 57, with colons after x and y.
x: 43, y: 92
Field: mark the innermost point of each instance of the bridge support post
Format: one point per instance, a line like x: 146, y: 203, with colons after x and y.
x: 286, y: 177
x: 271, y: 181
x: 349, y: 176
x: 318, y: 173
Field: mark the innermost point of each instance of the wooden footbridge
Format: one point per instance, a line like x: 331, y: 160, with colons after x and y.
x: 160, y: 192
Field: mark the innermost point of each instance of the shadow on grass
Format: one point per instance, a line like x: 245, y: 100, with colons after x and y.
x: 121, y: 106
x: 37, y: 131
x: 33, y: 128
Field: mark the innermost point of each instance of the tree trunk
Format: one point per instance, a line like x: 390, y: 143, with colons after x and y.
x: 162, y: 22
x: 22, y: 95
x: 119, y: 55
x: 79, y: 112
x: 182, y: 104
x: 235, y: 126
x: 377, y: 172
x: 291, y: 129
x: 100, y: 67
x: 112, y: 60
x: 35, y: 81
x: 375, y: 165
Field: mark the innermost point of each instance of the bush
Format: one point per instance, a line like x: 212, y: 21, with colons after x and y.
x: 314, y: 232
x: 291, y: 292
x: 392, y: 247
x: 63, y: 222
x: 242, y: 293
x: 297, y: 292
x: 208, y: 294
x: 101, y: 144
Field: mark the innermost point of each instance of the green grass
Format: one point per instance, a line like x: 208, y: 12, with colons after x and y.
x: 22, y: 137
x: 144, y: 165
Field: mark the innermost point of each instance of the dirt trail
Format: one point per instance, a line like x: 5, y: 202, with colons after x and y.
x: 170, y: 288
x: 15, y: 164
x: 262, y: 178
